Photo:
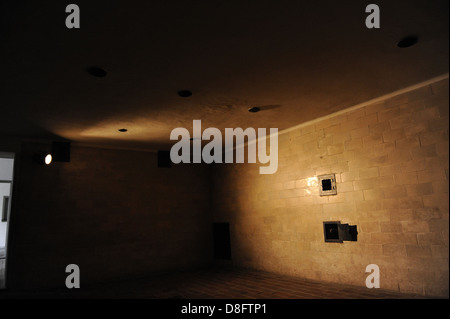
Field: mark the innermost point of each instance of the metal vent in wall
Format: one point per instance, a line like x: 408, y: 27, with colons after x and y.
x: 335, y: 232
x: 164, y: 159
x: 327, y: 184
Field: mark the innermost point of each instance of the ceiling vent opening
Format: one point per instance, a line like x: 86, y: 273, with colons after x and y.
x: 254, y: 109
x: 96, y: 71
x: 408, y: 41
x: 184, y: 93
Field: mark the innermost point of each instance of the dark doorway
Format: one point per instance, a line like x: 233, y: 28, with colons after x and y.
x: 222, y: 246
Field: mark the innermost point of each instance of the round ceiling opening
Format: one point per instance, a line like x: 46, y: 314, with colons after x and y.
x: 254, y: 109
x: 184, y: 93
x: 408, y: 41
x: 96, y: 71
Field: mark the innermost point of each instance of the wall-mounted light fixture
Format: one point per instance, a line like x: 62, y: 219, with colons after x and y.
x: 43, y: 158
x: 60, y: 152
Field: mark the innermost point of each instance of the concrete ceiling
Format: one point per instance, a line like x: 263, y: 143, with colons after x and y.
x: 296, y: 60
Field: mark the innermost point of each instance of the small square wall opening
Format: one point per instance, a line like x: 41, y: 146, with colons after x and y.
x: 331, y: 231
x: 335, y: 232
x: 164, y: 159
x: 327, y: 184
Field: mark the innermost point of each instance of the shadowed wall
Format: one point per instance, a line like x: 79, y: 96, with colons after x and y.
x: 113, y: 213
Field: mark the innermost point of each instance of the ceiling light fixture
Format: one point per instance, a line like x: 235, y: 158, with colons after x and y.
x: 408, y: 41
x: 254, y: 109
x: 184, y: 93
x: 96, y: 71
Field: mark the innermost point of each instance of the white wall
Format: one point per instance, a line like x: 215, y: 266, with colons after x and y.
x: 4, y: 191
x: 6, y: 169
x: 6, y: 172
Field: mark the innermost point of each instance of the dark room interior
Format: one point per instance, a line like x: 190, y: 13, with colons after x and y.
x: 357, y: 203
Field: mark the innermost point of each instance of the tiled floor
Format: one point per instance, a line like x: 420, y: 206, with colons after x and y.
x: 214, y: 283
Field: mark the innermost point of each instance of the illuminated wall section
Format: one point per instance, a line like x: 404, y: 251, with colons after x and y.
x: 390, y: 159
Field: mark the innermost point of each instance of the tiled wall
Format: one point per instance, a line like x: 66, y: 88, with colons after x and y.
x: 113, y: 213
x: 391, y: 163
